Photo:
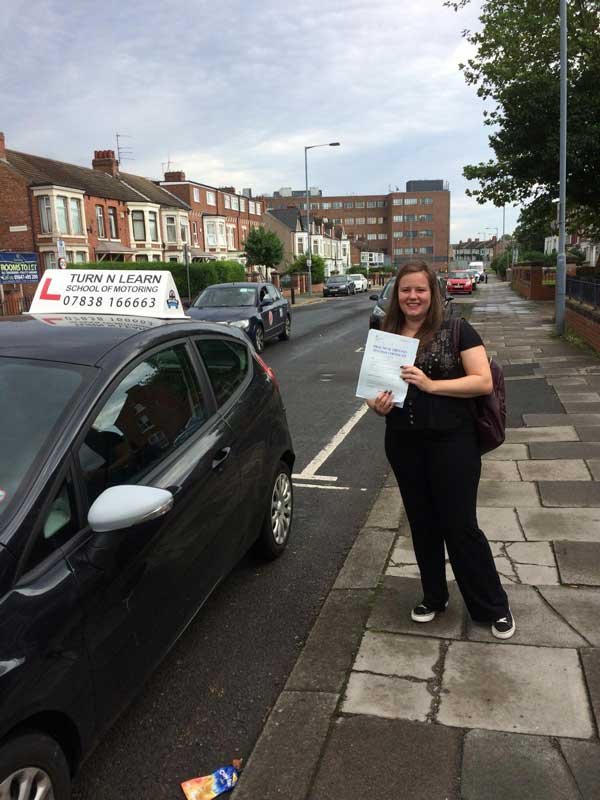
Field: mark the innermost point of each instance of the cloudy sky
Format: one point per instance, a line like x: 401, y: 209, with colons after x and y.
x: 231, y: 92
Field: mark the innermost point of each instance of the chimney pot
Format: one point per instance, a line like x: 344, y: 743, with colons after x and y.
x: 105, y: 161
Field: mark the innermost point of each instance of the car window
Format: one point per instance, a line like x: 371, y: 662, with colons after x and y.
x: 153, y: 410
x: 58, y: 526
x: 227, y: 363
x: 273, y: 293
x: 226, y: 296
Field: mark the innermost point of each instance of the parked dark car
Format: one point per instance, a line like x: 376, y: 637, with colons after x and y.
x: 259, y: 309
x: 382, y: 300
x: 338, y: 284
x: 139, y: 460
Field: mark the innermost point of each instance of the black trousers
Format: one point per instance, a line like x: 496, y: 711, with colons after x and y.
x: 438, y: 476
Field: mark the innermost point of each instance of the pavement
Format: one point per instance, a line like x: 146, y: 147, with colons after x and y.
x: 380, y: 707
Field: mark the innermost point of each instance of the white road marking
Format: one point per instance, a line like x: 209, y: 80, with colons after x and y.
x: 360, y: 349
x: 309, y: 471
x: 300, y: 476
x: 320, y: 486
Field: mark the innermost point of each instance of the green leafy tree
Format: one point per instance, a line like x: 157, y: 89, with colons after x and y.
x: 317, y: 269
x: 263, y: 248
x: 534, y: 224
x: 516, y: 69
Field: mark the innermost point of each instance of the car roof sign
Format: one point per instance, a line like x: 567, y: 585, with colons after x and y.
x: 125, y: 292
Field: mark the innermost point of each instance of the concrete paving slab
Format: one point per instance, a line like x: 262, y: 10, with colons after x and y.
x: 581, y: 408
x: 500, y: 524
x: 578, y: 397
x: 504, y: 766
x: 507, y: 494
x: 567, y: 469
x: 590, y: 658
x: 550, y: 371
x: 399, y: 656
x: 500, y: 471
x: 380, y: 759
x: 382, y: 696
x: 563, y: 433
x: 570, y: 494
x: 366, y: 560
x: 552, y: 524
x: 537, y: 624
x: 588, y: 433
x: 398, y: 596
x: 534, y: 575
x: 509, y: 687
x: 329, y: 651
x: 283, y: 761
x: 579, y: 607
x: 574, y: 380
x: 535, y: 395
x: 579, y: 562
x: 541, y: 450
x: 594, y: 467
x: 387, y: 511
x: 549, y: 420
x: 507, y: 452
x: 533, y: 553
x: 583, y: 759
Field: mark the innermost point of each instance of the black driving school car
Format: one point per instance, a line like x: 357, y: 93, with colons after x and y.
x: 139, y: 459
x: 338, y: 284
x: 259, y: 309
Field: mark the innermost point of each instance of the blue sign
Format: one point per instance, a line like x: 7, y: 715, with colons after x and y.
x: 18, y: 267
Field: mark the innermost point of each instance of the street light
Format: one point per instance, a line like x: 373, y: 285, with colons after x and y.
x: 561, y: 261
x: 309, y: 254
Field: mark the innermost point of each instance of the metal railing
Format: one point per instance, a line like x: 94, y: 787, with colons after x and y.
x: 14, y: 304
x: 585, y: 290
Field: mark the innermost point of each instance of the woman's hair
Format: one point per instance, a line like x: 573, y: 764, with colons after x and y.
x: 394, y: 318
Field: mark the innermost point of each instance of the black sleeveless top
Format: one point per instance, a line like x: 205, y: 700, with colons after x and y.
x: 439, y: 361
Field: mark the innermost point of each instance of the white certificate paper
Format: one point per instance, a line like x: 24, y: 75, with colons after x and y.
x: 384, y: 354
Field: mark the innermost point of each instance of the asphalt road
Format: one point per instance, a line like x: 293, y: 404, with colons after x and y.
x: 207, y: 702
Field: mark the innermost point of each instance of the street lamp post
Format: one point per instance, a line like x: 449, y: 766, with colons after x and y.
x: 561, y: 261
x: 309, y: 253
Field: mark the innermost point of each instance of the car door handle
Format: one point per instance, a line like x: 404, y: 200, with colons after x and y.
x: 220, y: 457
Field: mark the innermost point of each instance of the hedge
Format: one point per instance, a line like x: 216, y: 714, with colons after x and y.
x: 202, y: 273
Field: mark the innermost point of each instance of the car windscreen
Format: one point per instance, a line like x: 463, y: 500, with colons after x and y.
x: 337, y: 279
x: 34, y: 397
x: 459, y: 275
x: 226, y: 296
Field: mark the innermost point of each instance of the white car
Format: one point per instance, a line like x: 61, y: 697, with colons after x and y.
x: 360, y: 282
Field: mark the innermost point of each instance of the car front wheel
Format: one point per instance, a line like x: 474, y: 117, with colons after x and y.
x: 33, y: 766
x: 287, y: 329
x: 259, y: 339
x: 277, y: 524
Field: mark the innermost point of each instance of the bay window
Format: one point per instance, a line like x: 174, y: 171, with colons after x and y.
x: 139, y: 226
x: 62, y: 214
x: 152, y: 225
x: 45, y: 213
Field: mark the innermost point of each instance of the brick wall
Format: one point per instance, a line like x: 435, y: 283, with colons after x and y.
x: 584, y: 323
x: 15, y: 210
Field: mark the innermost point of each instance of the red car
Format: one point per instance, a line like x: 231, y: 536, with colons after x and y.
x: 459, y: 283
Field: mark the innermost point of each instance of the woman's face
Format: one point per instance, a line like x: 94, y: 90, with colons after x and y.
x: 414, y: 296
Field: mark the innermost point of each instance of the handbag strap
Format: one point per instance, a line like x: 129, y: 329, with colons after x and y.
x: 455, y: 334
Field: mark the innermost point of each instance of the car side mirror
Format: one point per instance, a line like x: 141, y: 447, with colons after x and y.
x: 121, y: 507
x: 374, y: 297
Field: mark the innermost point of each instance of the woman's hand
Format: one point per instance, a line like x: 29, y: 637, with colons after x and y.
x: 417, y: 377
x: 382, y: 404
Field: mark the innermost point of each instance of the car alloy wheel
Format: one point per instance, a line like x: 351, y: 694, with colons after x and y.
x: 287, y: 329
x: 28, y: 783
x: 259, y: 339
x: 277, y: 523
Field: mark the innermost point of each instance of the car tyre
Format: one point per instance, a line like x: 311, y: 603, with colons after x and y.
x: 35, y: 759
x: 287, y: 330
x: 259, y: 339
x: 277, y: 524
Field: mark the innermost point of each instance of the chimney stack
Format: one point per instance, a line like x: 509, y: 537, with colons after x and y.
x: 175, y: 177
x: 2, y: 147
x: 105, y: 161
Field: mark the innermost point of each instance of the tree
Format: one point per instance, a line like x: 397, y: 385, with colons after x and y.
x: 516, y: 68
x: 534, y: 224
x: 263, y: 248
x: 317, y: 269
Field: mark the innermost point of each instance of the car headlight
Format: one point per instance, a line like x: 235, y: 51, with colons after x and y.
x: 378, y: 311
x: 244, y: 324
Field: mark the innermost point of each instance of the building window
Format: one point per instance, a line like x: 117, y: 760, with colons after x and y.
x: 49, y: 261
x: 359, y: 221
x: 76, y: 218
x: 242, y: 203
x: 100, y: 222
x: 141, y: 258
x: 371, y: 204
x: 349, y: 220
x: 235, y: 204
x: 183, y: 229
x: 325, y: 205
x: 155, y: 258
x: 195, y: 232
x: 398, y: 234
x: 258, y: 211
x: 337, y: 204
x: 252, y: 207
x: 371, y: 220
x: 381, y: 204
x: 300, y: 246
x: 230, y: 237
x: 410, y: 234
x: 427, y: 201
x: 196, y: 194
x: 410, y: 201
x: 112, y: 223
x: 222, y: 236
x: 425, y: 233
x: 171, y: 229
x: 152, y: 225
x: 227, y: 200
x: 77, y: 257
x: 315, y: 205
x: 409, y: 217
x: 371, y: 235
x: 381, y: 220
x: 45, y: 214
x: 211, y: 198
x: 211, y: 234
x: 382, y: 236
x: 315, y: 247
x: 359, y: 204
x: 397, y: 201
x: 425, y: 217
x: 398, y: 218
x: 139, y: 226
x: 348, y: 204
x: 62, y: 215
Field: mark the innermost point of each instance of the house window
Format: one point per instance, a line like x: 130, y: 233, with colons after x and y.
x: 100, y: 222
x: 211, y: 198
x: 45, y: 213
x: 315, y: 247
x: 242, y: 204
x: 112, y: 222
x: 227, y: 201
x: 77, y: 257
x: 49, y: 261
x: 300, y: 245
x: 155, y: 258
x: 222, y: 236
x: 211, y: 234
x: 152, y: 225
x: 235, y: 203
x: 183, y: 229
x: 252, y: 207
x: 141, y: 258
x: 230, y: 237
x: 371, y: 220
x: 76, y: 218
x: 171, y: 229
x: 196, y: 194
x: 139, y: 226
x: 195, y: 232
x: 62, y: 215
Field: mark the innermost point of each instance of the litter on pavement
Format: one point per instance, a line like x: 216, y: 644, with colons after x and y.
x: 209, y: 786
